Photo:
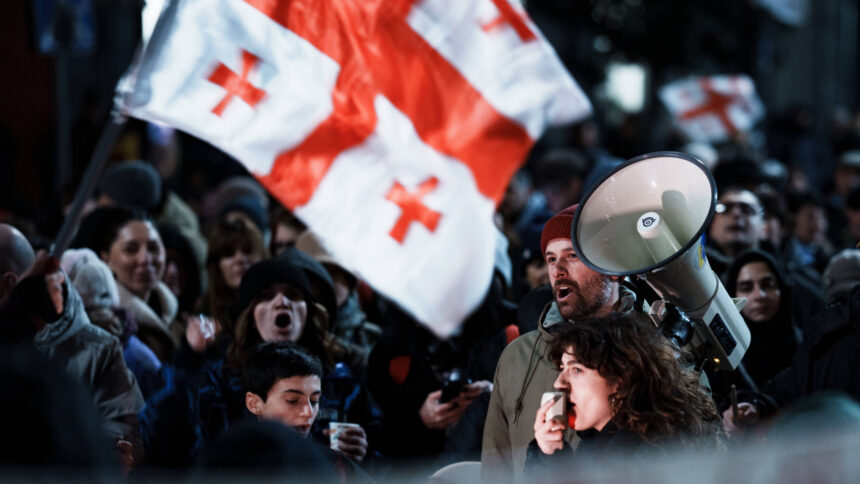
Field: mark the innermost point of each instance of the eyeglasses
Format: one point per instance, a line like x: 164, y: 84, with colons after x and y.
x: 746, y: 208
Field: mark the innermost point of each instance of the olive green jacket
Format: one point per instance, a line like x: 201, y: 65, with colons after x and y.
x: 523, y: 374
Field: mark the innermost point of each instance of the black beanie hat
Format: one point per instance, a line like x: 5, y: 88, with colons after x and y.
x: 251, y: 207
x: 321, y: 282
x: 134, y: 183
x: 272, y: 271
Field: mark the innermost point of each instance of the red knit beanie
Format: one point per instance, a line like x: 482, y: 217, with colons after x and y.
x: 558, y: 227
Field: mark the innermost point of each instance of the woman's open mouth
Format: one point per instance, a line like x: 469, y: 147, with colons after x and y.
x: 571, y: 415
x: 283, y: 320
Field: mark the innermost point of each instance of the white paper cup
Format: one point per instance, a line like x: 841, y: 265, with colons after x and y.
x: 335, y: 428
x: 557, y: 410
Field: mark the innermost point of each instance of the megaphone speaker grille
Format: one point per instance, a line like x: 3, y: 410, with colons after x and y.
x: 644, y: 214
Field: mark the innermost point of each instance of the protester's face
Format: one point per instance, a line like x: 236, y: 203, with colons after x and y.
x: 292, y: 401
x: 759, y: 285
x: 137, y: 257
x: 579, y: 291
x: 281, y: 314
x: 810, y: 224
x: 588, y: 393
x: 233, y: 266
x: 738, y: 220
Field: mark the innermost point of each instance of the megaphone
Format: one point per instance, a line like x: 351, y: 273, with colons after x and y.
x: 647, y: 217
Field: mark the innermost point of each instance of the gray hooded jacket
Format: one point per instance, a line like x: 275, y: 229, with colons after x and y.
x: 94, y: 357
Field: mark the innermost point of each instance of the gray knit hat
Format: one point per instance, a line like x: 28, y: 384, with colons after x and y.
x: 91, y: 277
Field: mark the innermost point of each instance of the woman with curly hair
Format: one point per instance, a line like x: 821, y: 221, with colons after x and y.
x: 625, y: 387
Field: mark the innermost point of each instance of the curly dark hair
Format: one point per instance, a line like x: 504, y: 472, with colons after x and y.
x: 657, y: 397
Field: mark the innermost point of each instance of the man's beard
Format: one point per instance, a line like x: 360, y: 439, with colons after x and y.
x: 581, y: 304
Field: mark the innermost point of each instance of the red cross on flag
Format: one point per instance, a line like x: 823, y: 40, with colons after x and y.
x: 390, y: 128
x: 713, y: 108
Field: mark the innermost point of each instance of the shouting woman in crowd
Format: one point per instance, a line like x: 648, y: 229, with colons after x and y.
x: 625, y: 388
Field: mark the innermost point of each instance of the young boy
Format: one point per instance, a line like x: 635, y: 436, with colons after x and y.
x: 282, y: 382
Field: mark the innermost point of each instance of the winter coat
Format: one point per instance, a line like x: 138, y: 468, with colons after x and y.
x: 138, y: 357
x: 523, y: 374
x: 354, y: 331
x: 828, y: 358
x: 94, y: 357
x: 153, y: 328
x: 200, y: 398
x: 99, y: 291
x: 592, y: 444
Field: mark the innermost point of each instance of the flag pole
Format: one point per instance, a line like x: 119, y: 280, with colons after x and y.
x: 107, y: 139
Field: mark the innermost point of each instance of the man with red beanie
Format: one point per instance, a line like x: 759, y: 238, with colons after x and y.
x: 524, y: 371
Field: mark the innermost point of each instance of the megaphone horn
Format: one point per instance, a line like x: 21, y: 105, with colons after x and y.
x: 648, y: 217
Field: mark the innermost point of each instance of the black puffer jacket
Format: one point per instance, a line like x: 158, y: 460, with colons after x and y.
x: 828, y: 359
x: 409, y: 362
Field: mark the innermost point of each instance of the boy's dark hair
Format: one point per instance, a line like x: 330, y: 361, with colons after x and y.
x: 271, y: 362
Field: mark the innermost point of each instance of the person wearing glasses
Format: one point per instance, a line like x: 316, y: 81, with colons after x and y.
x: 737, y: 226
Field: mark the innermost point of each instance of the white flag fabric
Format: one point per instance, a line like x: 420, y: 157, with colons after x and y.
x: 390, y: 128
x: 714, y: 108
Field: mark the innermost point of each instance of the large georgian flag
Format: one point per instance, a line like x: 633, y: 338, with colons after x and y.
x: 390, y: 127
x: 713, y: 108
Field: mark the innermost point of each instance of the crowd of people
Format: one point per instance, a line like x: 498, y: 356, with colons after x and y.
x: 169, y: 342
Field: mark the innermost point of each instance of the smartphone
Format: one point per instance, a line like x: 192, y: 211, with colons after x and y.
x: 453, y: 386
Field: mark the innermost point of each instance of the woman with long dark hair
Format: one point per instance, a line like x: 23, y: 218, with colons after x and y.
x: 234, y: 246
